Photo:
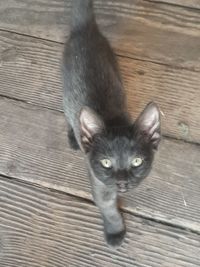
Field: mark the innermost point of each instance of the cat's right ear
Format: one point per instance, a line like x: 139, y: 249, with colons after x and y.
x: 90, y: 125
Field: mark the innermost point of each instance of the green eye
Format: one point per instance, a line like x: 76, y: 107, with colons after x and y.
x: 106, y: 163
x: 137, y: 162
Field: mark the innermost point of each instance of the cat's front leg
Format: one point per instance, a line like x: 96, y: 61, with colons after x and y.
x: 105, y: 198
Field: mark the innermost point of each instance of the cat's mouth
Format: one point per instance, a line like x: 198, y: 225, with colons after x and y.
x: 126, y: 188
x: 122, y: 189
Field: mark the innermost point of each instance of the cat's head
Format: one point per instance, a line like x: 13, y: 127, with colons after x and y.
x: 121, y: 156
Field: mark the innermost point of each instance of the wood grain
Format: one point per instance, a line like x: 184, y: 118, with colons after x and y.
x: 175, y: 90
x: 30, y: 71
x: 144, y: 30
x: 43, y: 228
x: 191, y: 3
x: 34, y: 149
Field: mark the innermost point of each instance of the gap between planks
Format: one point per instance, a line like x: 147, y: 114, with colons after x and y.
x: 127, y: 23
x: 60, y: 111
x: 30, y: 71
x: 89, y: 200
x: 39, y: 227
x: 30, y: 154
x: 117, y: 52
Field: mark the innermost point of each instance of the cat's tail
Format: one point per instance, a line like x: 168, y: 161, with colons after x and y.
x: 82, y: 13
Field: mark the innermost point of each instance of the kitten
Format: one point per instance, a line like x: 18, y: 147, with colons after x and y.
x: 118, y: 152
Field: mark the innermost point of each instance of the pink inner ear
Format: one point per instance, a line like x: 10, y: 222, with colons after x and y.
x: 149, y: 123
x: 90, y: 124
x: 85, y: 131
x: 155, y: 127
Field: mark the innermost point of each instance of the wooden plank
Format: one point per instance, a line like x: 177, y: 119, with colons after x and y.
x: 34, y: 149
x: 185, y: 3
x: 30, y: 71
x: 43, y: 228
x: 175, y: 90
x: 140, y: 29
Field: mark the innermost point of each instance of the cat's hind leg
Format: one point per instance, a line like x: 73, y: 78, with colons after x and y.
x: 72, y: 139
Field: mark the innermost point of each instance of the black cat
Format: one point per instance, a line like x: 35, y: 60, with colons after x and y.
x: 118, y: 152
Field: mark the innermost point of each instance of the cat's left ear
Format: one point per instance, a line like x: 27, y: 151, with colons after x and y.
x: 90, y: 125
x: 148, y: 124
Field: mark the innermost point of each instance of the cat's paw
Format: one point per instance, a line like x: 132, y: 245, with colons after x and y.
x: 72, y: 140
x: 115, y: 240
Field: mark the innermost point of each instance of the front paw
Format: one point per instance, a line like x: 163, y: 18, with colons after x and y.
x: 115, y: 240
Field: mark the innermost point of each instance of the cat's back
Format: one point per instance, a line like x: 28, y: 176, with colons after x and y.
x: 91, y: 75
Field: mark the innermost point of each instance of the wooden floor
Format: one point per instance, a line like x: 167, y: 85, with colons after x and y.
x: 47, y: 217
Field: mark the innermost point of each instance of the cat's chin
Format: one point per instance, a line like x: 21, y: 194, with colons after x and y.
x: 123, y: 190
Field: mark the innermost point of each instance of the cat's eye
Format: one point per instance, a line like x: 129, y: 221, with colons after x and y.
x: 136, y: 162
x: 106, y: 163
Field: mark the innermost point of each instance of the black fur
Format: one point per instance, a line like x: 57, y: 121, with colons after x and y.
x: 95, y: 108
x: 122, y: 146
x: 72, y: 139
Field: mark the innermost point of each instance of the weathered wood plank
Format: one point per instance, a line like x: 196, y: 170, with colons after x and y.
x: 175, y: 90
x: 145, y: 30
x: 43, y: 228
x: 29, y: 71
x: 34, y: 149
x: 185, y: 3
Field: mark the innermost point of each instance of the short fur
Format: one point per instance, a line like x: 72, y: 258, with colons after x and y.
x: 98, y: 121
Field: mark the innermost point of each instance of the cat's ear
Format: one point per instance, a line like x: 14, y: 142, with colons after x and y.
x: 148, y: 124
x: 90, y: 125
